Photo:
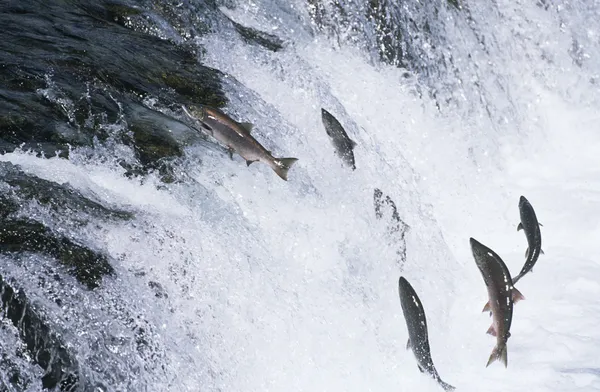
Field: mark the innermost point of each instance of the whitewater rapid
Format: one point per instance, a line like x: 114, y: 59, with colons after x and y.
x: 264, y: 285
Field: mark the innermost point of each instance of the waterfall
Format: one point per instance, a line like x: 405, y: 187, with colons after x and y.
x: 135, y: 254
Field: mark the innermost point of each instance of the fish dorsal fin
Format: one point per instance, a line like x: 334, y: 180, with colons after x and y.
x: 247, y: 127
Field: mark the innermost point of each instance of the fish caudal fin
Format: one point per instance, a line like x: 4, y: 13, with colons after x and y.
x: 499, y: 353
x: 517, y: 278
x: 445, y: 385
x: 282, y: 165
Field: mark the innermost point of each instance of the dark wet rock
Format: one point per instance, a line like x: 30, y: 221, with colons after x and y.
x: 44, y: 346
x: 455, y: 3
x: 157, y: 139
x: 392, y: 49
x: 266, y: 40
x: 21, y: 235
x: 62, y: 198
x: 332, y: 18
x: 385, y: 209
x: 185, y: 18
x: 68, y: 68
x: 153, y: 144
x: 17, y: 371
x: 405, y: 34
x: 8, y: 206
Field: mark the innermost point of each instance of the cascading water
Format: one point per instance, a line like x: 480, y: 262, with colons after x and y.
x: 150, y: 260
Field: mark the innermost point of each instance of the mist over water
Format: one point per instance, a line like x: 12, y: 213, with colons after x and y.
x: 235, y: 280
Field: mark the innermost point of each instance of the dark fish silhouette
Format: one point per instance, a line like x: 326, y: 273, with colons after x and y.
x: 531, y: 227
x: 339, y: 138
x: 501, y: 293
x: 418, y: 339
x: 385, y: 209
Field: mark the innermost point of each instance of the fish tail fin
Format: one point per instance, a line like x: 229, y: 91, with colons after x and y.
x: 282, y: 165
x: 445, y: 385
x: 518, y: 277
x: 499, y: 353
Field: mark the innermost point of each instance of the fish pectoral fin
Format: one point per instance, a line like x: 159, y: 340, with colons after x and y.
x: 491, y: 330
x: 487, y: 307
x: 408, y: 344
x: 520, y: 226
x: 542, y: 251
x: 248, y: 163
x: 230, y: 151
x: 540, y: 224
x: 420, y: 368
x: 527, y: 252
x: 516, y: 295
x: 352, y: 143
x: 247, y: 127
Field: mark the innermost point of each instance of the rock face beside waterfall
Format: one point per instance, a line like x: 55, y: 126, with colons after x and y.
x: 74, y: 75
x: 80, y: 74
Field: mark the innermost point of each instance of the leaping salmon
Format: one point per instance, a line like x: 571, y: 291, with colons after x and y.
x: 237, y: 138
x: 418, y: 340
x: 531, y: 227
x: 502, y: 294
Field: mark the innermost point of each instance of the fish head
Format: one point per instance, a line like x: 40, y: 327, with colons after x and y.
x: 327, y: 121
x: 408, y: 297
x: 195, y: 112
x: 523, y: 202
x: 404, y: 287
x: 482, y: 255
x: 479, y: 250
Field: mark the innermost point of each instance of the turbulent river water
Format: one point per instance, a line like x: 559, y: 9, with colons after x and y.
x: 136, y: 255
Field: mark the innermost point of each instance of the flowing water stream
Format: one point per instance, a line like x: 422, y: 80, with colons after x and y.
x: 137, y: 269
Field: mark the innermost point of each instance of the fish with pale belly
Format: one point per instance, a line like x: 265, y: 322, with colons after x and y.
x: 237, y: 138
